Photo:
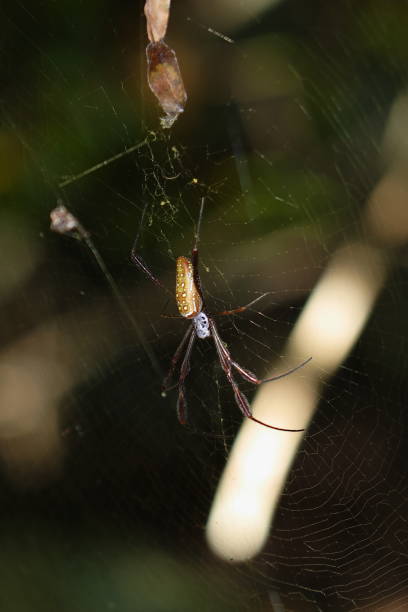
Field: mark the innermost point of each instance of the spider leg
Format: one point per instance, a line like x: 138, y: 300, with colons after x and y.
x: 251, y: 377
x: 287, y: 373
x: 227, y: 364
x: 184, y: 370
x: 175, y: 359
x: 197, y: 232
x: 139, y: 263
x: 194, y: 252
x: 240, y: 308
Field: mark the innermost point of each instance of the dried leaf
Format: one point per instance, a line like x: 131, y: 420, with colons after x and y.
x: 157, y: 17
x: 164, y: 77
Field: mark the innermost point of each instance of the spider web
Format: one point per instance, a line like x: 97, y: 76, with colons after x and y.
x: 105, y: 496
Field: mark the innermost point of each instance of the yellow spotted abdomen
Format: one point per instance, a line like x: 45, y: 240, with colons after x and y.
x: 188, y: 298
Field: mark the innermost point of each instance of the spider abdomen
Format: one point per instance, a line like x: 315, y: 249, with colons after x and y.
x: 188, y: 297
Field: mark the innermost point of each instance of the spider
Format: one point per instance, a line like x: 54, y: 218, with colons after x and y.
x: 190, y: 303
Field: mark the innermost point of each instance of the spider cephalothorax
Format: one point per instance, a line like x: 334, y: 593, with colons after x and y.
x: 190, y: 303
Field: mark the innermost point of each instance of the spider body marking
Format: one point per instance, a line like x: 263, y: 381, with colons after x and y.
x: 190, y: 303
x: 202, y: 325
x: 188, y: 297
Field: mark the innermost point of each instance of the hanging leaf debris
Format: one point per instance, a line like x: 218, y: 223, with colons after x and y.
x: 163, y: 72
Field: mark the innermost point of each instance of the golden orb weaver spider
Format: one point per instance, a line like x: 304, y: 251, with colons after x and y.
x: 190, y: 303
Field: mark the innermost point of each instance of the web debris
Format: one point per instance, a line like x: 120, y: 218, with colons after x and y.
x: 65, y: 223
x: 163, y: 72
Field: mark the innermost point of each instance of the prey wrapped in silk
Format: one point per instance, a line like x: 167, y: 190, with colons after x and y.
x: 164, y: 78
x: 163, y: 72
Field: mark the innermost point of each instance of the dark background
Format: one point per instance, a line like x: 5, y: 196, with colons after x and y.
x: 104, y: 496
